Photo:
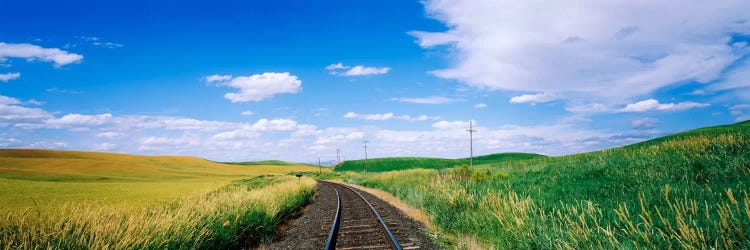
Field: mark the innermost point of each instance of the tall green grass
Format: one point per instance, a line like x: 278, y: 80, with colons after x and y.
x: 687, y: 191
x: 228, y: 218
x: 401, y: 163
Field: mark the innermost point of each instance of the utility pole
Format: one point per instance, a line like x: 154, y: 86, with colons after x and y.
x: 320, y: 167
x: 471, y: 144
x: 338, y: 157
x: 365, y: 146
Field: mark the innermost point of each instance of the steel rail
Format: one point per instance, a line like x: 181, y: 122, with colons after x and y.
x: 394, y: 242
x: 331, y: 242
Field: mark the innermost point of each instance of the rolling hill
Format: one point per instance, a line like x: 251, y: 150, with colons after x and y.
x: 401, y: 163
x: 53, y: 199
x: 32, y: 177
x: 55, y: 165
x: 685, y: 191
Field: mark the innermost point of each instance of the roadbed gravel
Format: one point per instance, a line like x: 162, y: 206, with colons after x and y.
x: 310, y: 230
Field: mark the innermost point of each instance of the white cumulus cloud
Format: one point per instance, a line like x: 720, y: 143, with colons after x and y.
x: 258, y: 87
x: 452, y: 125
x: 606, y: 50
x: 217, y: 78
x: 235, y: 135
x: 337, y: 66
x: 359, y: 70
x: 417, y: 118
x: 17, y: 114
x: 7, y: 100
x: 11, y: 112
x: 75, y: 120
x: 274, y: 125
x: 389, y: 116
x: 654, y: 105
x: 34, y: 52
x: 373, y: 117
x: 480, y: 106
x: 535, y: 98
x: 9, y: 76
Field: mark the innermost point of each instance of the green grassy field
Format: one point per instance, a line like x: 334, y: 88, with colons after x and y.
x: 401, y: 163
x: 79, y: 200
x: 685, y: 191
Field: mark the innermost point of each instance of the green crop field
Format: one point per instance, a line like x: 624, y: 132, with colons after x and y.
x: 685, y: 191
x: 66, y: 199
x: 401, y: 163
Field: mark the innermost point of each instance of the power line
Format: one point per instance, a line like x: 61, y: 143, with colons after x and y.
x: 471, y: 144
x: 365, y: 146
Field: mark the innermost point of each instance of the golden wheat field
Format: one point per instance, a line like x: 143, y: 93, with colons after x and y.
x: 39, y: 178
x: 66, y: 199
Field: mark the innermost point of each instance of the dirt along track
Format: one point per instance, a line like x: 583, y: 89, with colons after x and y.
x: 359, y: 227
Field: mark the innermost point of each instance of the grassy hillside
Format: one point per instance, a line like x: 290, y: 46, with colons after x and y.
x: 685, y: 191
x: 401, y: 163
x: 30, y: 177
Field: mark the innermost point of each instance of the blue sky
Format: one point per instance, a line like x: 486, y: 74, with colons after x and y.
x: 294, y: 80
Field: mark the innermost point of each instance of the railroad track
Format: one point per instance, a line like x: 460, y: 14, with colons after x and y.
x: 358, y: 225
